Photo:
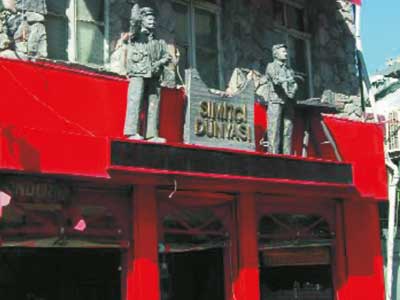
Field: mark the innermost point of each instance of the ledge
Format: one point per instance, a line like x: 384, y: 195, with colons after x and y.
x: 202, y: 160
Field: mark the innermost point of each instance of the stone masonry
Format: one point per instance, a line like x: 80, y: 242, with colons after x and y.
x: 247, y: 35
x: 22, y: 29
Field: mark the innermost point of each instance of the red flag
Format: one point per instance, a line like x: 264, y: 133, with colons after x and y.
x: 357, y: 2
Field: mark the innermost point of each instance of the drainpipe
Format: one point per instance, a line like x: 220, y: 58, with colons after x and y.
x: 394, y: 180
x: 357, y: 34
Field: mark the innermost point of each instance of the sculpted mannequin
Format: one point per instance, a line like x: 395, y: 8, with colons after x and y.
x: 281, y: 91
x: 146, y: 59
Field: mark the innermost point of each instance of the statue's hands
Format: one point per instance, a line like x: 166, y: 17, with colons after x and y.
x: 155, y: 68
x: 158, y: 64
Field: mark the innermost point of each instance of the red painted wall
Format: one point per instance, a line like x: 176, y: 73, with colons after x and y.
x: 56, y: 119
x: 363, y: 253
x: 362, y: 144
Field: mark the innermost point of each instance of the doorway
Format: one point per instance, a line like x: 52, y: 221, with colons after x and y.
x: 296, y: 273
x: 59, y: 274
x: 296, y: 282
x: 194, y: 275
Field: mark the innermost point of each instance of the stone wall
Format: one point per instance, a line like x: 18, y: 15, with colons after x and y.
x: 333, y: 55
x: 248, y: 35
x: 22, y: 29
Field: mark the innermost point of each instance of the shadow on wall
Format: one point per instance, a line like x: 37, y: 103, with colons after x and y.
x: 18, y: 147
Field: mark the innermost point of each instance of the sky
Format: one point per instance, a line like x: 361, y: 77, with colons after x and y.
x: 380, y: 32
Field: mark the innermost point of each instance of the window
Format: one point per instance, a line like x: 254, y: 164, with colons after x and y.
x: 290, y: 20
x: 76, y: 30
x: 197, y: 38
x: 392, y: 131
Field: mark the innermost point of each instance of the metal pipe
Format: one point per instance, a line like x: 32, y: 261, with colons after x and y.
x: 394, y: 181
x: 357, y: 13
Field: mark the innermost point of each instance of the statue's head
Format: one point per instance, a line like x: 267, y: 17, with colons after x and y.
x: 148, y: 18
x: 280, y: 52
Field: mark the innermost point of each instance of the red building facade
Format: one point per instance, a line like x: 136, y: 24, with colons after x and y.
x: 93, y: 215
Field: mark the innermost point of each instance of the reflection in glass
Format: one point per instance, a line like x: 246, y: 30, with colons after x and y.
x: 206, y: 47
x: 90, y: 10
x: 57, y: 37
x: 90, y: 47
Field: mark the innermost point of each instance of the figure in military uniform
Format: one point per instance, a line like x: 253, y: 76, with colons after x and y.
x: 146, y: 59
x: 281, y: 91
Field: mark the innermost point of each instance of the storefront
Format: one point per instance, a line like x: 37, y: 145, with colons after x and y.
x: 95, y: 216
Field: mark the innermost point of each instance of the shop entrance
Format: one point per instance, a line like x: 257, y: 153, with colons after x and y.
x: 291, y: 274
x: 194, y: 235
x: 295, y: 257
x: 59, y: 274
x: 195, y: 275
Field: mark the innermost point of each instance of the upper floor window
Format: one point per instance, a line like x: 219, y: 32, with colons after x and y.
x: 197, y: 38
x: 76, y: 30
x: 290, y: 19
x: 392, y: 131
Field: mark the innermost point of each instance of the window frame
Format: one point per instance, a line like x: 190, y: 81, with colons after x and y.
x: 392, y: 131
x: 297, y: 34
x: 215, y: 9
x: 71, y: 17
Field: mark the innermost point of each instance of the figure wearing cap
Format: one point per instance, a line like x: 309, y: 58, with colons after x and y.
x: 281, y: 91
x: 146, y: 59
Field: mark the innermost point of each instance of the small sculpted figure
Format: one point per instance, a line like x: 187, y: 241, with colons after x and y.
x: 146, y: 58
x: 280, y: 97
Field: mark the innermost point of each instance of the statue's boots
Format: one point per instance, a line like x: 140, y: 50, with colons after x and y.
x: 136, y: 136
x: 157, y: 139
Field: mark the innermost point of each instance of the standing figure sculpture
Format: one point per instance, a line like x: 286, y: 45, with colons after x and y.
x: 146, y: 59
x: 281, y: 91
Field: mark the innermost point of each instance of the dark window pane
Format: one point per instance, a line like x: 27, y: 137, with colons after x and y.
x: 181, y: 24
x: 57, y: 37
x: 207, y: 65
x: 90, y: 10
x: 90, y: 43
x: 206, y: 29
x: 183, y: 60
x: 297, y: 53
x: 57, y: 6
x: 295, y: 18
x: 298, y: 61
x: 303, y: 90
x: 278, y: 11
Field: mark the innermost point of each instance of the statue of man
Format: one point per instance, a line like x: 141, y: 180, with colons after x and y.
x: 146, y: 59
x: 281, y: 91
